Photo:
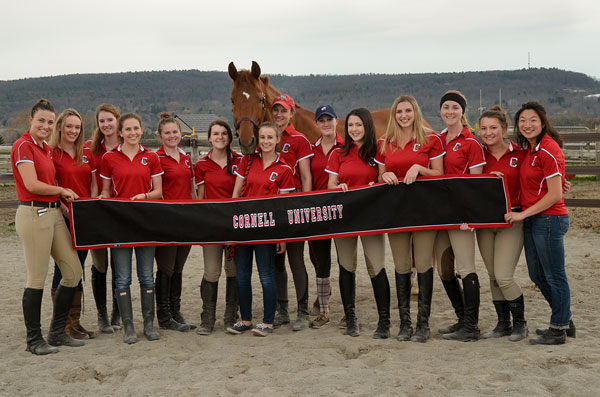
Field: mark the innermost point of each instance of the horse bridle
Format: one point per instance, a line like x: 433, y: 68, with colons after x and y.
x: 262, y: 101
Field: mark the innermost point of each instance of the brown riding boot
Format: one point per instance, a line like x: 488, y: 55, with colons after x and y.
x: 77, y: 331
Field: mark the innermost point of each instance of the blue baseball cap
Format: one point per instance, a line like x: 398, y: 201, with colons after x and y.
x: 325, y: 109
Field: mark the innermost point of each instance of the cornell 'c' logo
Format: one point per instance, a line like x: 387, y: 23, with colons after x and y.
x: 234, y: 168
x: 144, y: 161
x: 286, y: 148
x: 456, y: 147
x: 416, y: 147
x: 533, y: 162
x: 273, y: 176
x: 514, y: 161
x: 187, y: 163
x: 85, y: 159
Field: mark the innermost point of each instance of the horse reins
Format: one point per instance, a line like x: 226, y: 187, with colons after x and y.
x: 262, y: 101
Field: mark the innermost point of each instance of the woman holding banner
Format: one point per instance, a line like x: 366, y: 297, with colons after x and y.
x: 463, y: 155
x: 545, y: 218
x: 132, y: 172
x: 409, y: 149
x: 326, y: 121
x: 178, y: 184
x: 351, y: 166
x: 43, y: 232
x: 104, y: 139
x: 215, y: 179
x: 261, y: 174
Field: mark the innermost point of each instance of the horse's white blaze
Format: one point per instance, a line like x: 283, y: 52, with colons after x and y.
x: 246, y: 95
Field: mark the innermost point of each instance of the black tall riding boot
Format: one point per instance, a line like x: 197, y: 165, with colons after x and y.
x: 469, y: 331
x: 208, y: 291
x: 124, y: 302
x: 162, y: 287
x: 425, y: 281
x: 99, y: 290
x: 381, y: 290
x: 231, y: 303
x: 175, y: 300
x: 403, y: 294
x: 32, y: 307
x: 348, y: 291
x: 519, y: 328
x: 147, y: 299
x: 115, y: 317
x: 455, y: 294
x: 62, y: 304
x: 503, y: 327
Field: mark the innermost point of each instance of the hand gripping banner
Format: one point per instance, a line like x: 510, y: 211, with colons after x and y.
x: 429, y: 203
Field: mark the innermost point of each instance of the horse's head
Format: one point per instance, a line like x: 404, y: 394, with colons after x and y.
x: 249, y: 104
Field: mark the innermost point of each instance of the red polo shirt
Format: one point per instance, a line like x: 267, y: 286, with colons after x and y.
x: 398, y: 160
x: 218, y: 183
x: 176, y: 179
x: 78, y: 178
x: 294, y: 147
x: 462, y: 153
x: 509, y: 164
x: 350, y: 168
x: 319, y: 162
x: 96, y: 160
x: 26, y: 150
x: 544, y: 161
x: 276, y: 178
x: 130, y: 177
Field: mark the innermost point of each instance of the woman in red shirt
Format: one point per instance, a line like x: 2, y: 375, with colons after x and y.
x: 74, y: 170
x: 351, y: 166
x: 177, y: 184
x: 215, y: 178
x: 43, y: 232
x: 104, y: 139
x: 132, y: 172
x: 408, y: 150
x: 545, y: 217
x: 501, y: 247
x: 463, y: 155
x: 296, y: 152
x: 326, y: 121
x: 261, y: 174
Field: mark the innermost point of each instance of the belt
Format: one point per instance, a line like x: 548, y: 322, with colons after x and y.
x: 44, y: 204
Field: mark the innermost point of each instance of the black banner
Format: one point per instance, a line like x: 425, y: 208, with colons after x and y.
x: 429, y: 203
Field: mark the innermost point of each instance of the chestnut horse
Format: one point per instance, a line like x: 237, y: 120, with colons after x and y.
x: 251, y: 99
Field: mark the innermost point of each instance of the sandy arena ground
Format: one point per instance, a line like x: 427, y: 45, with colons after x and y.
x: 313, y: 362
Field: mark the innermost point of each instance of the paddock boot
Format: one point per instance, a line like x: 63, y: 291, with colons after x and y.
x: 571, y: 331
x: 231, y: 304
x: 425, y: 282
x: 519, y: 328
x: 115, y: 317
x: 162, y: 286
x: 99, y: 291
x: 175, y: 300
x: 403, y: 291
x: 208, y: 291
x: 74, y: 327
x: 469, y: 331
x: 455, y: 294
x: 348, y: 292
x: 62, y: 303
x: 282, y: 316
x: 552, y: 336
x: 147, y: 298
x: 32, y: 307
x: 381, y: 290
x: 503, y: 327
x: 302, y: 317
x: 124, y: 302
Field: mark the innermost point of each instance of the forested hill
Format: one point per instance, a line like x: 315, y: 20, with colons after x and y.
x: 568, y: 96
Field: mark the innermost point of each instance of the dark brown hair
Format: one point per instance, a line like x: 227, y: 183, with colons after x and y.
x: 369, y: 147
x: 546, y: 126
x: 42, y: 104
x: 225, y: 125
x: 496, y: 112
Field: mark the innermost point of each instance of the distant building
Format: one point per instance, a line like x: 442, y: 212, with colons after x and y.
x: 196, y: 121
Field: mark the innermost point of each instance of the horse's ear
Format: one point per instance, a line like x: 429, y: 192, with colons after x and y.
x: 255, y: 70
x: 233, y: 73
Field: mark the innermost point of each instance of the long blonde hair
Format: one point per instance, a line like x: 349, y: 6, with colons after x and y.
x: 56, y: 137
x: 98, y: 135
x: 393, y: 131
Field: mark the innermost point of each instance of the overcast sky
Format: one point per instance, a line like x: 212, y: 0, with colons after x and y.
x: 299, y: 37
